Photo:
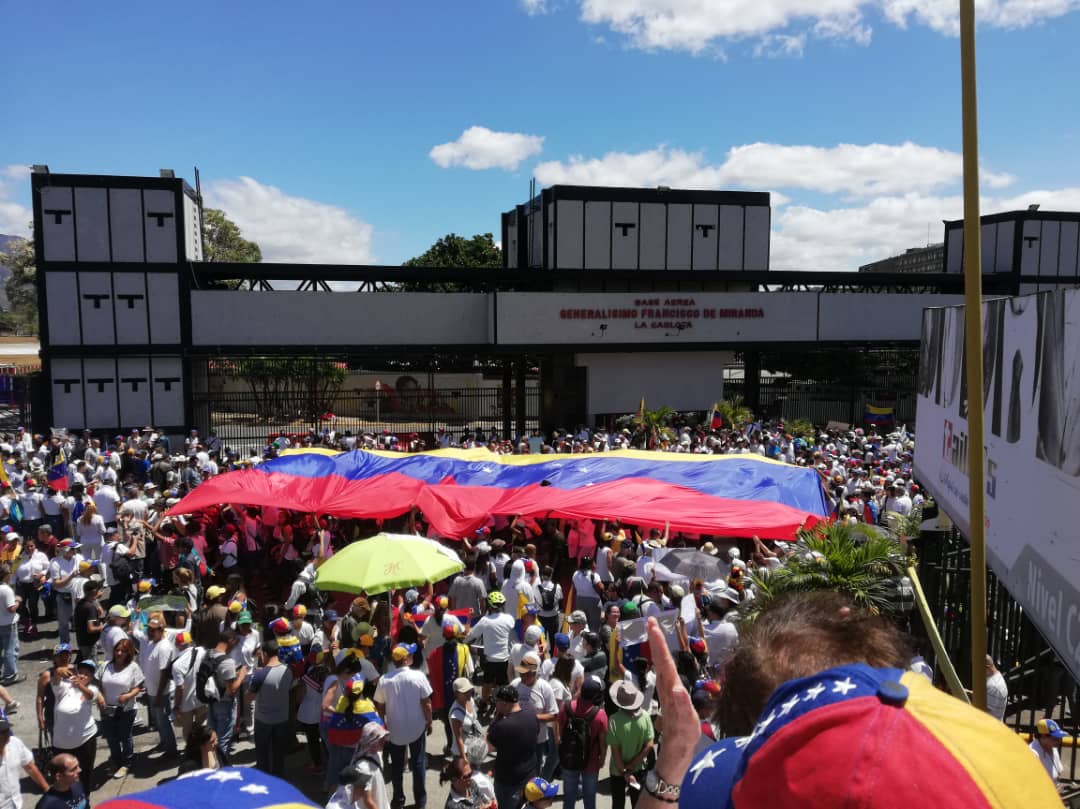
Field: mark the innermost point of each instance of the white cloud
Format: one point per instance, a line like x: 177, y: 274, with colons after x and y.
x: 781, y: 45
x: 292, y: 229
x: 534, y: 7
x: 854, y: 170
x: 14, y: 218
x: 481, y: 148
x: 697, y: 25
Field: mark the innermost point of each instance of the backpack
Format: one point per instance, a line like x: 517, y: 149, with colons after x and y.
x: 574, y: 741
x: 121, y: 566
x: 547, y: 596
x: 205, y: 678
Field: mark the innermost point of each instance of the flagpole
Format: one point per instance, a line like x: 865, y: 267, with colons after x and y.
x: 973, y: 348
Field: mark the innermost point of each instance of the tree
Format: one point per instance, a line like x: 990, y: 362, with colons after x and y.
x: 454, y: 251
x: 288, y: 387
x: 21, y: 287
x: 656, y: 425
x: 734, y: 412
x: 223, y: 241
x: 860, y: 561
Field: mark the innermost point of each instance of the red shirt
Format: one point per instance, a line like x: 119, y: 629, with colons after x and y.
x: 597, y: 730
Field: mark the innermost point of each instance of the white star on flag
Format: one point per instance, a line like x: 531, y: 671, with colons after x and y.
x: 225, y: 775
x: 768, y: 720
x: 843, y: 686
x: 787, y: 707
x: 742, y: 741
x: 813, y: 693
x: 255, y: 789
x: 706, y: 762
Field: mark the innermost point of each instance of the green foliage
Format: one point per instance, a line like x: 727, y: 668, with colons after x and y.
x: 21, y: 288
x: 223, y: 241
x: 800, y: 428
x: 454, y: 251
x: 656, y: 424
x: 906, y: 526
x: 734, y: 412
x: 288, y: 387
x: 859, y: 561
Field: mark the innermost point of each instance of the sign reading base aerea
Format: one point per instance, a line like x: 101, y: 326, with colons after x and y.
x: 1031, y: 402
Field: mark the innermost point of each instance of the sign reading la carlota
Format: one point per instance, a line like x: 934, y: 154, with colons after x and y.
x: 662, y: 313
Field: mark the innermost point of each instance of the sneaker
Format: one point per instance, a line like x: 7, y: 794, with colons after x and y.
x: 12, y: 707
x: 120, y: 773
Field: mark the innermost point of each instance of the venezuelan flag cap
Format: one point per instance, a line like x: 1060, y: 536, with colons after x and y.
x: 860, y: 736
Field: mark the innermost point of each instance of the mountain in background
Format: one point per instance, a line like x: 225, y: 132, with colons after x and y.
x: 6, y: 242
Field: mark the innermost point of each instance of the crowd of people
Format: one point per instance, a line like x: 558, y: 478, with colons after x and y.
x: 534, y: 661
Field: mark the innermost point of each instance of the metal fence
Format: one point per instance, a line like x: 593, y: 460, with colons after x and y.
x: 16, y: 394
x: 821, y: 401
x: 244, y: 420
x: 1039, y: 684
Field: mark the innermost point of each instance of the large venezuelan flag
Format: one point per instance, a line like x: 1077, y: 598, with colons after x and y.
x: 457, y: 490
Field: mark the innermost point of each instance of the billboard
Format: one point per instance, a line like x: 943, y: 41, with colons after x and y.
x: 1031, y: 405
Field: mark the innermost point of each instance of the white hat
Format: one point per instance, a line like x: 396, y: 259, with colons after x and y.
x: 733, y: 553
x: 533, y: 635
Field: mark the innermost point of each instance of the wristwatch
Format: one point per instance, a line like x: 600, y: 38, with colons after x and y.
x: 661, y: 789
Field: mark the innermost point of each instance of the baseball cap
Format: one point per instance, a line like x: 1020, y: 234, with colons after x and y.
x: 182, y: 640
x: 730, y: 594
x: 533, y: 635
x: 236, y: 607
x: 835, y: 737
x: 530, y: 662
x: 330, y: 615
x: 243, y: 617
x: 578, y: 617
x: 562, y: 640
x: 86, y: 664
x: 356, y: 683
x: 537, y: 789
x: 68, y: 544
x: 61, y: 648
x: 299, y: 611
x: 119, y: 611
x: 279, y: 626
x: 215, y: 591
x: 1048, y: 727
x: 463, y: 685
x: 402, y: 651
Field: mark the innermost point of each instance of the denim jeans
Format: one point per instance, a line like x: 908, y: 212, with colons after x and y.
x: 161, y: 721
x: 223, y: 720
x: 417, y: 762
x: 64, y: 610
x: 587, y: 781
x: 117, y: 732
x: 9, y: 647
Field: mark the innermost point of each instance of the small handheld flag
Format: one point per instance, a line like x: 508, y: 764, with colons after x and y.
x: 716, y: 421
x: 57, y: 476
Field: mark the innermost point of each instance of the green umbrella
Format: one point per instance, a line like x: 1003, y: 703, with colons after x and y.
x: 386, y: 562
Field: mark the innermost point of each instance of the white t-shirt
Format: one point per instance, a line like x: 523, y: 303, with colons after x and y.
x: 495, y: 629
x: 583, y: 585
x: 997, y: 695
x: 720, y: 638
x: 114, y: 683
x: 310, y: 710
x: 109, y: 552
x: 1051, y: 761
x: 92, y: 533
x: 371, y: 780
x: 470, y: 724
x: 7, y: 599
x: 32, y: 566
x: 184, y: 669
x: 401, y: 691
x: 12, y: 765
x: 74, y: 717
x: 106, y: 499
x: 577, y: 675
x: 61, y: 567
x: 153, y: 658
x: 541, y: 696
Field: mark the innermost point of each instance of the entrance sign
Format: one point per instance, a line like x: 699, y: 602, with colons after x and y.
x: 1031, y: 401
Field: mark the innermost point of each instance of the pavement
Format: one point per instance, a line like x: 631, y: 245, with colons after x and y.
x: 34, y: 657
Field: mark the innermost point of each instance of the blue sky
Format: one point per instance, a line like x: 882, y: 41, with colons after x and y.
x: 361, y: 132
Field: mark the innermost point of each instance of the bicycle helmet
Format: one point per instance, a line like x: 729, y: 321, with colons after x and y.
x: 496, y: 599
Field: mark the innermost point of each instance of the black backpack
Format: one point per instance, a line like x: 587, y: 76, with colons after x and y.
x: 207, y: 670
x: 121, y: 566
x: 575, y: 739
x: 547, y: 596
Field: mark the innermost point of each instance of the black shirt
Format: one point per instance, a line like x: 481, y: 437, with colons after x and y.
x: 86, y: 611
x: 514, y: 739
x: 74, y: 798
